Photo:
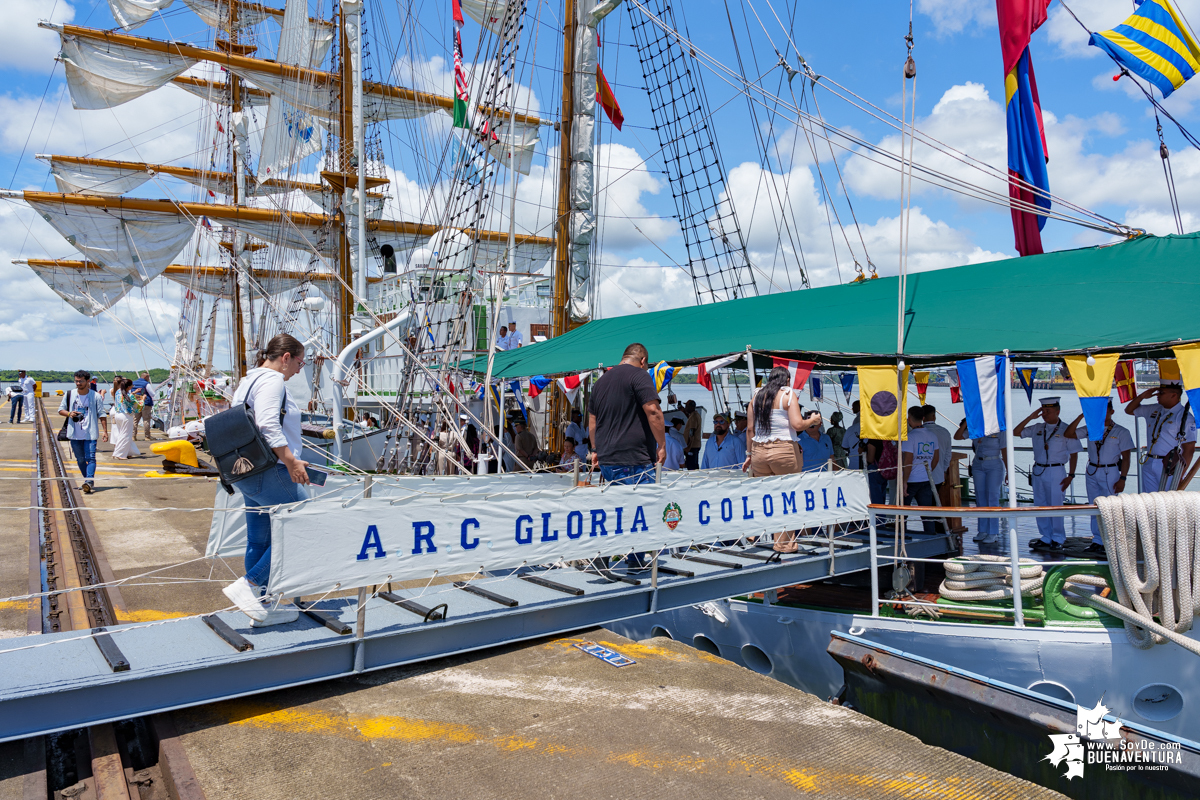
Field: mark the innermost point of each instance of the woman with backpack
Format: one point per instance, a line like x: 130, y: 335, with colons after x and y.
x: 774, y: 417
x: 278, y: 420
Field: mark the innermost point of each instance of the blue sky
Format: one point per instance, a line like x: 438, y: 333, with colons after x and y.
x: 1103, y: 148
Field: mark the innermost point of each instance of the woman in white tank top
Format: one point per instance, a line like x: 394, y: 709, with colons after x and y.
x: 771, y: 446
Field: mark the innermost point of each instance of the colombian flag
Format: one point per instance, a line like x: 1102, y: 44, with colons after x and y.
x: 1094, y: 386
x: 1028, y: 181
x: 1154, y: 43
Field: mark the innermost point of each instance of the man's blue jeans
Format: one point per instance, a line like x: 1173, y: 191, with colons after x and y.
x: 85, y: 457
x: 629, y: 475
x: 268, y: 488
x: 18, y: 402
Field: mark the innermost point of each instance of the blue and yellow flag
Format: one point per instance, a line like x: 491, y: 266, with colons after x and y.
x: 1093, y: 384
x: 662, y: 374
x: 1187, y: 357
x: 1154, y: 43
x: 1025, y: 375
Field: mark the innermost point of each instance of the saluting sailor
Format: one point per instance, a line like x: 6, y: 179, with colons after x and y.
x: 988, y: 469
x: 1108, y: 464
x: 1171, y: 431
x: 1053, y: 452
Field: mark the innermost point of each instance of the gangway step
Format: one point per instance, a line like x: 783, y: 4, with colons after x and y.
x: 56, y: 682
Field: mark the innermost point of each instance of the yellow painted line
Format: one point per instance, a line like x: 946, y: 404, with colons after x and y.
x: 370, y: 729
x: 130, y: 473
x: 149, y: 615
x: 15, y: 605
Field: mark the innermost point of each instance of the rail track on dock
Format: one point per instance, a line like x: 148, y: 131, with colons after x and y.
x: 137, y: 759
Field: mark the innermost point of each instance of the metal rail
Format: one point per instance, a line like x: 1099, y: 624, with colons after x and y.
x: 67, y: 559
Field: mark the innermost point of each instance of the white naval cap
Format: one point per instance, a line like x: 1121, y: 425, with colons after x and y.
x: 1171, y: 382
x: 1049, y: 401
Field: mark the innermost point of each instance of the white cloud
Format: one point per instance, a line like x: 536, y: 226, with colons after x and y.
x: 954, y: 16
x: 636, y: 285
x: 25, y: 46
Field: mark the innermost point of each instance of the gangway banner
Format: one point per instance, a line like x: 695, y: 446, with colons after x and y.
x: 324, y: 545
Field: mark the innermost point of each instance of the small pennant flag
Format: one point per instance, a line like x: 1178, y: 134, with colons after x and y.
x: 662, y: 374
x: 955, y: 389
x: 515, y: 388
x: 570, y: 385
x: 1025, y: 376
x: 709, y: 367
x: 882, y: 412
x: 1093, y: 384
x: 1126, y: 381
x: 1187, y: 358
x: 607, y: 100
x: 983, y: 395
x: 922, y: 379
x: 847, y: 381
x: 537, y: 385
x: 799, y: 370
x: 815, y: 387
x: 462, y: 91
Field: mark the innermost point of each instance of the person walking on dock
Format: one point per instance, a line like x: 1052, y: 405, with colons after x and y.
x: 626, y: 426
x: 124, y: 415
x: 1052, y: 452
x: 84, y: 411
x: 145, y: 392
x: 28, y: 388
x: 1108, y: 464
x: 15, y: 413
x: 278, y: 419
x: 1172, y: 433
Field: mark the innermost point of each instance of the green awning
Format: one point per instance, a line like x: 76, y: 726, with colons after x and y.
x: 1135, y: 296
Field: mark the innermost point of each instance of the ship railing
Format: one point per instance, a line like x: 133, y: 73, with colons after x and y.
x: 1009, y: 513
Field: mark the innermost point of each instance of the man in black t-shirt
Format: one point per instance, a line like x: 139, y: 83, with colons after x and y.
x: 625, y: 422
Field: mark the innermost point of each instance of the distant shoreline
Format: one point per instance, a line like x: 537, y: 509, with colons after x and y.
x: 157, y: 375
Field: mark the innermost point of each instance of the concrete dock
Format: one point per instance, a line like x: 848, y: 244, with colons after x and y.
x: 539, y: 720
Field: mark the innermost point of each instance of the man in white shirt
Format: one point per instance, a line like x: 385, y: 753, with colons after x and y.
x: 1170, y: 431
x: 946, y: 449
x: 502, y: 338
x: 675, y: 431
x: 28, y: 385
x: 739, y: 426
x: 575, y: 427
x: 921, y: 456
x: 674, y: 449
x: 1108, y: 464
x: 515, y: 339
x: 1052, y: 452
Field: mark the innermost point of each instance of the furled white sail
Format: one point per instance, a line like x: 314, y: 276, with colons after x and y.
x: 135, y: 246
x: 488, y: 13
x: 217, y: 285
x: 216, y: 13
x: 106, y: 74
x: 131, y: 14
x: 88, y: 291
x: 287, y: 233
x: 75, y: 178
x: 215, y: 93
x: 290, y: 134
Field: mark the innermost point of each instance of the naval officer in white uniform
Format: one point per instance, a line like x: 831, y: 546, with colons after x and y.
x: 1053, y: 454
x: 1170, y: 431
x: 1108, y: 464
x: 987, y: 472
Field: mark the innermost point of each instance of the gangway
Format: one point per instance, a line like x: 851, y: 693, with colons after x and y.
x: 60, y: 681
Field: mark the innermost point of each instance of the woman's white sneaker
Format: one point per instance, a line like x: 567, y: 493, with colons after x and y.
x: 243, y: 595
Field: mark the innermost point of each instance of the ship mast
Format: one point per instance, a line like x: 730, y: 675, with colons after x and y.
x: 242, y: 312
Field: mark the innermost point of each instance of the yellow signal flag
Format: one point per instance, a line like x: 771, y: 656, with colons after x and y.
x: 884, y: 404
x: 1168, y: 369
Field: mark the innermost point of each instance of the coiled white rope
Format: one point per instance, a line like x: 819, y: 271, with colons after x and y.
x: 1162, y: 531
x: 972, y: 582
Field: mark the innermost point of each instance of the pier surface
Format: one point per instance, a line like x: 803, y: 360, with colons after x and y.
x: 538, y: 720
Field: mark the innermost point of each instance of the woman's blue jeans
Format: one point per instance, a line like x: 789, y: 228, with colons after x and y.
x: 268, y: 488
